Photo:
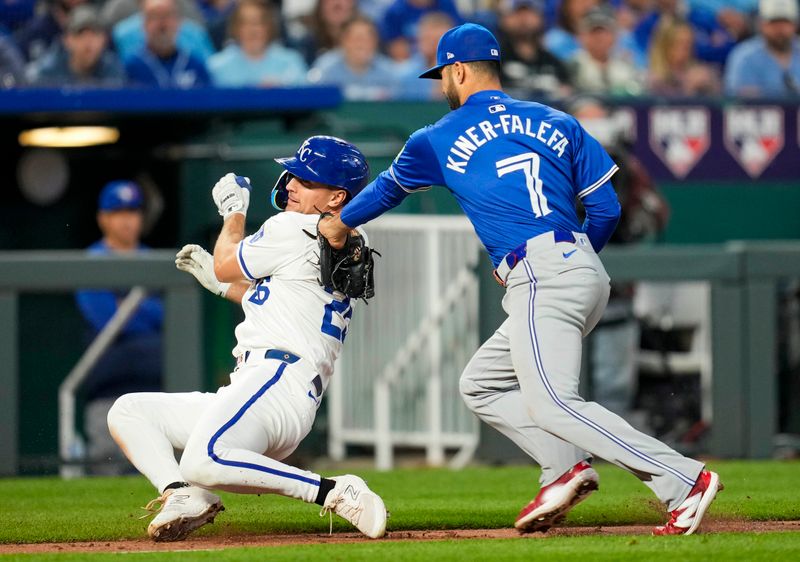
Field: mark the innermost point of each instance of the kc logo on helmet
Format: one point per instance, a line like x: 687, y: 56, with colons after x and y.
x: 303, y: 151
x: 680, y: 136
x: 754, y: 136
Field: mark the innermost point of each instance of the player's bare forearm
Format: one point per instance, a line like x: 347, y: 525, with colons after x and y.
x: 334, y: 230
x: 226, y: 266
x: 236, y: 291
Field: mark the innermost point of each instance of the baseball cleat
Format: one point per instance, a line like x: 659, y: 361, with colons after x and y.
x: 686, y: 519
x: 553, y: 502
x: 352, y: 500
x: 182, y: 510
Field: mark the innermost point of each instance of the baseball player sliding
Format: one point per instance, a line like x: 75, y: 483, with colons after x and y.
x: 515, y: 168
x: 292, y: 332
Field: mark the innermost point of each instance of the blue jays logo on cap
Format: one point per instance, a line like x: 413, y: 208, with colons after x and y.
x: 466, y: 43
x: 120, y: 194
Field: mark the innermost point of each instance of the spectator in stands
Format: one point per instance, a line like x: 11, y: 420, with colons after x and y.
x: 16, y: 13
x: 562, y: 40
x: 768, y: 65
x: 82, y: 59
x: 39, y: 34
x: 161, y: 62
x: 374, y: 9
x: 256, y: 57
x: 614, y: 342
x: 399, y: 24
x: 321, y: 31
x: 673, y: 70
x: 528, y: 69
x: 114, y: 11
x: 713, y: 41
x: 12, y: 65
x: 733, y: 15
x: 629, y: 14
x: 357, y: 67
x: 216, y: 15
x: 430, y: 29
x: 129, y: 35
x: 594, y: 69
x: 133, y: 361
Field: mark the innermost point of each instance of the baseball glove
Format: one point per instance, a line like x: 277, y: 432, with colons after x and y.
x: 349, y: 269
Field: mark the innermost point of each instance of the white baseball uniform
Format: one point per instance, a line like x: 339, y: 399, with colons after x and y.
x: 286, y: 347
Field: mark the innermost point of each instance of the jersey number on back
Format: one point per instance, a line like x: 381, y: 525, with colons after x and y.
x: 528, y: 164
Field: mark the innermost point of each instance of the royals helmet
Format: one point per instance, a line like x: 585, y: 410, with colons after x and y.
x: 327, y: 160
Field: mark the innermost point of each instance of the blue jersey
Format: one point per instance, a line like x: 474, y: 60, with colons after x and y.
x: 515, y: 167
x: 99, y: 305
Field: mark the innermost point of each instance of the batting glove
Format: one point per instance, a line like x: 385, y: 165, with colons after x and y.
x: 195, y: 260
x: 232, y: 195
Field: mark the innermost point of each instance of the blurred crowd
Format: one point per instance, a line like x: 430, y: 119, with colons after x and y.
x: 375, y: 49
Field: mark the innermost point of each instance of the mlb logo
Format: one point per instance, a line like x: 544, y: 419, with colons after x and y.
x: 450, y: 56
x: 497, y: 108
x: 495, y: 53
x: 680, y: 136
x: 754, y: 136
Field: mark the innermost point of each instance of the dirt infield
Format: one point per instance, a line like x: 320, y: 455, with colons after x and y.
x: 220, y: 542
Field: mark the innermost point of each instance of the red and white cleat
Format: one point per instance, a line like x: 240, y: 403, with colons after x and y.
x: 554, y: 501
x: 686, y: 519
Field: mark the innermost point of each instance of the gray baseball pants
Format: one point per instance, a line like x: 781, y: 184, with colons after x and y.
x: 524, y: 380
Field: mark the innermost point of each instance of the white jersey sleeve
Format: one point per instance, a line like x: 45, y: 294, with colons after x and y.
x: 277, y: 246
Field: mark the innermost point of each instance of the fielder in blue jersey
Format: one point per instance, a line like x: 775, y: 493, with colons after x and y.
x: 516, y: 168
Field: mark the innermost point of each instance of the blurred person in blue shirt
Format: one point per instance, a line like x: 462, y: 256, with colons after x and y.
x: 133, y: 361
x: 40, y: 33
x: 130, y: 34
x: 528, y: 69
x: 430, y: 29
x: 768, y: 65
x: 713, y: 40
x: 161, y: 63
x: 736, y: 16
x: 399, y: 25
x: 15, y: 13
x: 357, y: 67
x: 216, y: 14
x: 82, y: 58
x: 562, y: 39
x: 12, y: 65
x: 256, y: 57
x: 321, y: 30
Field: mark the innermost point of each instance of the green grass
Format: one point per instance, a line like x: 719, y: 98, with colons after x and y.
x: 50, y: 509
x: 102, y: 509
x: 770, y: 547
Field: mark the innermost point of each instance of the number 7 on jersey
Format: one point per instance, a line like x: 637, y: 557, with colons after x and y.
x: 528, y: 164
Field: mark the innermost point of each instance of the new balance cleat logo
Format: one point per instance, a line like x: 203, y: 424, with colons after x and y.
x: 352, y: 492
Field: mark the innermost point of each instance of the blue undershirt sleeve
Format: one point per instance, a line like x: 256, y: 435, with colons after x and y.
x: 414, y: 169
x: 375, y: 199
x: 602, y: 214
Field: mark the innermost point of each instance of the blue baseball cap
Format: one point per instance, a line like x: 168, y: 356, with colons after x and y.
x: 120, y: 194
x: 465, y: 43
